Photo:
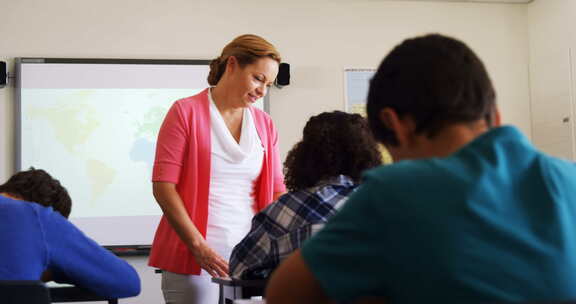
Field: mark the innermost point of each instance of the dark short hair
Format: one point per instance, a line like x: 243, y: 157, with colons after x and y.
x: 36, y: 185
x: 333, y: 143
x: 437, y: 80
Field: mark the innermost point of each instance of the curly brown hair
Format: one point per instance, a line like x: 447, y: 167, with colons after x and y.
x: 333, y: 143
x: 36, y: 185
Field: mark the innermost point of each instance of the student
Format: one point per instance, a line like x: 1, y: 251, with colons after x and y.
x: 36, y: 238
x: 322, y: 170
x: 477, y: 216
x: 36, y: 185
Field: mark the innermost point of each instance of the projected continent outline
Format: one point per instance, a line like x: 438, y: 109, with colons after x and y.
x: 108, y: 154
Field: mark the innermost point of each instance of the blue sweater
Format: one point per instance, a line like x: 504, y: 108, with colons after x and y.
x: 35, y: 238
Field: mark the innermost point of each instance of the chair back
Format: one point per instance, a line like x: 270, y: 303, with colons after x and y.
x: 29, y: 292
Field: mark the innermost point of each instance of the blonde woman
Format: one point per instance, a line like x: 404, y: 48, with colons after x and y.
x: 217, y: 163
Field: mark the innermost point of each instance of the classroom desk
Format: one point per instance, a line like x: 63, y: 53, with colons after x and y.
x: 69, y: 293
x: 234, y: 290
x: 250, y: 302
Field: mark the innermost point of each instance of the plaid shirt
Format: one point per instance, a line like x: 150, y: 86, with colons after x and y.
x: 284, y: 225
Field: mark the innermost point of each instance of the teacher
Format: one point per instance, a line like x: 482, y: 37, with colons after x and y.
x: 217, y: 163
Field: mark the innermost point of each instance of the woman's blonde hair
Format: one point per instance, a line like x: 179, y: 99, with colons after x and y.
x: 246, y: 49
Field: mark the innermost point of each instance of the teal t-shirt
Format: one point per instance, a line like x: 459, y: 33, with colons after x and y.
x: 495, y: 221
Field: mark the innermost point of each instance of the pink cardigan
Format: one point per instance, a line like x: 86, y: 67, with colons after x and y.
x: 183, y: 158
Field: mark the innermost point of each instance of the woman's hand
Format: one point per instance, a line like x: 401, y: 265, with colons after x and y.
x: 173, y: 208
x: 210, y: 261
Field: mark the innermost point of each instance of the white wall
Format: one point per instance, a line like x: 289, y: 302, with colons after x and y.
x: 552, y: 33
x: 319, y: 38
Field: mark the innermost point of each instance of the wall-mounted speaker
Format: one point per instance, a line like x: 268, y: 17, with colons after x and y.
x: 283, y: 78
x: 3, y: 75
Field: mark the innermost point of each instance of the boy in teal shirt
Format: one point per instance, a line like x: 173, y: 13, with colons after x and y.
x: 470, y: 213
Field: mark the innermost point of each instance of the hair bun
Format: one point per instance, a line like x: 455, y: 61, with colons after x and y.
x: 215, y: 71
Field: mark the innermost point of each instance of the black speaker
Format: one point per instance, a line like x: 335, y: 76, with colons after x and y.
x: 3, y: 76
x: 283, y: 78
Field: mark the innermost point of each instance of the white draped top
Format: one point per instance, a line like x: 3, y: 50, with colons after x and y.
x: 234, y: 169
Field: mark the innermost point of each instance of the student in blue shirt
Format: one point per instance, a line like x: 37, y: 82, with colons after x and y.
x: 39, y: 242
x: 37, y: 186
x: 470, y: 213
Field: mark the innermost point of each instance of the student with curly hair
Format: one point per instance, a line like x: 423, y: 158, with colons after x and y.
x: 36, y: 185
x: 322, y: 170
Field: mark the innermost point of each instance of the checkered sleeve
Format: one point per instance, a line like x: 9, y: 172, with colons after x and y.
x: 251, y: 251
x: 283, y: 226
x: 253, y: 257
x: 288, y: 243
